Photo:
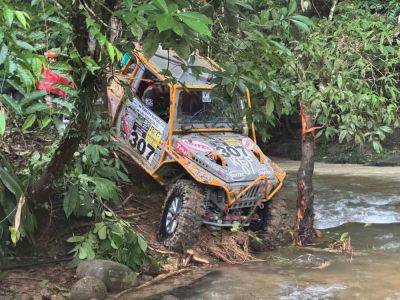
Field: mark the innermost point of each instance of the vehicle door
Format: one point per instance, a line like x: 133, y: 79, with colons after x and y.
x: 142, y: 133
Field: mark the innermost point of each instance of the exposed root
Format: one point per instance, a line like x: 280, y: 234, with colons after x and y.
x: 230, y: 247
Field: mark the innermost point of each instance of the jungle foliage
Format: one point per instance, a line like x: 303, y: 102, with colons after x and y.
x: 345, y: 70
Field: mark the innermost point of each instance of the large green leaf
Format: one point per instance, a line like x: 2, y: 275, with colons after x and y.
x: 111, y: 51
x: 37, y: 107
x: 104, y: 188
x: 165, y: 22
x: 197, y: 22
x: 8, y: 15
x: 71, y: 199
x: 161, y: 4
x: 22, y: 16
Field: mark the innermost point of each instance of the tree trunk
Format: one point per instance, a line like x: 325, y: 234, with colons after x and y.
x: 305, y: 198
x: 78, y: 128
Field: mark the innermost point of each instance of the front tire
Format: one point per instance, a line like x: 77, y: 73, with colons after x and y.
x: 181, y: 216
x: 273, y: 221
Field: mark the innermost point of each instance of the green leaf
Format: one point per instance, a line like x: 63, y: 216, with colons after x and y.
x: 21, y: 16
x: 302, y: 26
x: 344, y: 236
x: 161, y: 4
x: 269, y: 108
x: 8, y: 15
x: 196, y: 22
x: 9, y: 101
x: 63, y: 103
x: 339, y: 81
x: 24, y: 45
x: 91, y: 65
x: 76, y: 239
x: 29, y: 122
x: 342, y: 135
x: 111, y: 51
x: 3, y: 53
x: 83, y: 253
x: 150, y: 44
x: 93, y: 152
x: 302, y: 19
x: 32, y: 96
x: 165, y: 22
x: 102, y: 233
x: 71, y: 200
x: 37, y: 107
x: 142, y: 243
x: 2, y: 121
x: 292, y: 6
x: 10, y: 182
x: 377, y: 146
x: 178, y: 29
x: 60, y: 66
x: 104, y: 188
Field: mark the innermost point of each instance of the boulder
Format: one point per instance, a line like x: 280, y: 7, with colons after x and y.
x: 88, y: 288
x: 115, y: 276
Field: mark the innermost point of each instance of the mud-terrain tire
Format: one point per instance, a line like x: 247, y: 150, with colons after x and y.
x: 273, y: 225
x: 188, y: 217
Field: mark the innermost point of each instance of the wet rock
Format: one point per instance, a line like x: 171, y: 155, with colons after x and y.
x: 88, y: 288
x: 115, y: 276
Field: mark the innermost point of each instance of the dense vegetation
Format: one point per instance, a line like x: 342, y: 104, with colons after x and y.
x: 338, y: 60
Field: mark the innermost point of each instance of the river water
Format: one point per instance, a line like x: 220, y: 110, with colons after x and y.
x: 363, y: 201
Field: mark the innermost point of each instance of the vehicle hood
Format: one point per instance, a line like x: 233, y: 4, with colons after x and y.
x: 236, y: 159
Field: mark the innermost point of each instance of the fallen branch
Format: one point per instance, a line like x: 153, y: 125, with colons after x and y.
x: 196, y: 258
x: 162, y: 251
x: 154, y: 280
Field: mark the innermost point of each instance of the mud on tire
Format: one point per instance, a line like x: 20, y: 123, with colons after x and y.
x: 188, y: 216
x: 273, y: 226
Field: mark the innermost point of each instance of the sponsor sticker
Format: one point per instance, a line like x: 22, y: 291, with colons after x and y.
x: 248, y: 144
x: 232, y: 142
x: 196, y: 145
x: 181, y: 149
x: 153, y: 136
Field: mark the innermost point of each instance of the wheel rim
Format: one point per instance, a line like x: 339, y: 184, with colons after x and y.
x: 171, y: 219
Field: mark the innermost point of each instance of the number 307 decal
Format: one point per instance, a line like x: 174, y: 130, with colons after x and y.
x: 229, y: 151
x: 141, y: 145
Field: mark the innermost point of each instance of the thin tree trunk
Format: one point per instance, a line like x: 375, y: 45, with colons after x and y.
x: 78, y: 128
x: 305, y: 198
x: 93, y: 87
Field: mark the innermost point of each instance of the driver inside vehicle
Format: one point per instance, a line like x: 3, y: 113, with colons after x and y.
x: 156, y: 98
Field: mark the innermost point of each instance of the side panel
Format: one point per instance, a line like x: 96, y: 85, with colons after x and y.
x: 143, y: 133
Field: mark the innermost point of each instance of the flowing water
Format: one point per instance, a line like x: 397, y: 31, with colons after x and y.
x: 363, y: 201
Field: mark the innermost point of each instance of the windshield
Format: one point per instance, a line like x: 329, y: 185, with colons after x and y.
x: 199, y: 109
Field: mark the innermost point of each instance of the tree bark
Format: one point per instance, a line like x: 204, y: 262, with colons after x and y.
x: 305, y: 198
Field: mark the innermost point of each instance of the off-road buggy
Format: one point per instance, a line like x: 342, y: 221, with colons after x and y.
x: 195, y: 143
